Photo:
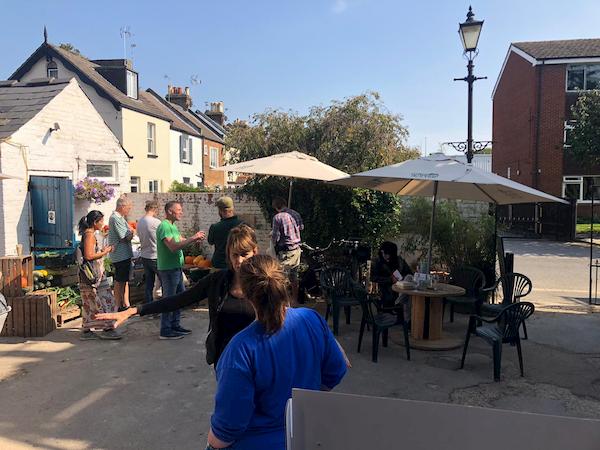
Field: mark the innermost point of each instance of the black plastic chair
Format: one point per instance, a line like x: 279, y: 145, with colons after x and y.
x: 473, y: 281
x: 513, y: 287
x: 380, y: 322
x: 338, y: 286
x: 503, y: 329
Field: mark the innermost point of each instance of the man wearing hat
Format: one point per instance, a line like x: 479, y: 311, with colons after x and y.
x: 218, y: 232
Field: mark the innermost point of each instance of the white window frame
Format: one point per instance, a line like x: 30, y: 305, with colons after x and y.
x: 188, y: 182
x: 134, y: 182
x: 184, y: 151
x: 569, y: 125
x: 214, y: 151
x: 132, y: 84
x: 585, y: 69
x: 153, y: 186
x: 151, y: 137
x: 577, y: 180
x: 52, y: 72
x: 113, y: 166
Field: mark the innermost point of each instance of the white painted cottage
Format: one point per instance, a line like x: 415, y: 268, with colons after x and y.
x: 51, y: 136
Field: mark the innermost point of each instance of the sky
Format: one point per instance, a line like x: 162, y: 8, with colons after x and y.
x: 291, y: 55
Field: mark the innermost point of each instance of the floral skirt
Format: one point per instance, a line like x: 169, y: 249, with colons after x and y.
x: 96, y: 300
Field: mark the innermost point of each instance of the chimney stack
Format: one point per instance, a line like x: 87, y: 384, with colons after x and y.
x: 217, y: 112
x: 179, y: 96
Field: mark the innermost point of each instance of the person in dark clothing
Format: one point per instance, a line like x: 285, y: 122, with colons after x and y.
x: 229, y: 311
x: 388, y: 262
x: 218, y: 232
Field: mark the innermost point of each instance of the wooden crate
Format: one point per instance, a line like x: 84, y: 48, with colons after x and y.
x: 12, y: 268
x: 32, y: 315
x: 66, y: 314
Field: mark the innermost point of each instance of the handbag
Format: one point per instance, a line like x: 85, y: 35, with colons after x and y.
x: 87, y: 272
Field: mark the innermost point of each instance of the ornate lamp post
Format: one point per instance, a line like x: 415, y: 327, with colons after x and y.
x: 469, y: 32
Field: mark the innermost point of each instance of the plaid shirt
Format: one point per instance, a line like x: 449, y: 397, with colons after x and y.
x: 286, y: 230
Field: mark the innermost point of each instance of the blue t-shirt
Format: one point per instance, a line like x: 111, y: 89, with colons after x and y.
x: 256, y: 374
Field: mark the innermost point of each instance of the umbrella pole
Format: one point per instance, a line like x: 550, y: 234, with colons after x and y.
x: 290, y: 194
x: 434, y: 200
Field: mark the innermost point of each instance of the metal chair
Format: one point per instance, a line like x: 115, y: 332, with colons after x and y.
x: 503, y: 329
x: 380, y: 322
x: 338, y: 286
x: 514, y: 286
x: 473, y: 281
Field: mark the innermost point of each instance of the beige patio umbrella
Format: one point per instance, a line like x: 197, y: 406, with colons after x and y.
x: 291, y: 165
x: 443, y: 176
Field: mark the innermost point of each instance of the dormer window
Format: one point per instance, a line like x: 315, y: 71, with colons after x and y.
x: 51, y: 70
x: 132, y: 84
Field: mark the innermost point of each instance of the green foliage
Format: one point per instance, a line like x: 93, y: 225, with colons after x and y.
x: 176, y: 186
x: 70, y: 48
x: 456, y: 240
x: 353, y: 135
x: 585, y: 143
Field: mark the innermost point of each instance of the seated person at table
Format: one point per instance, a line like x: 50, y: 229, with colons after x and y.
x: 388, y: 262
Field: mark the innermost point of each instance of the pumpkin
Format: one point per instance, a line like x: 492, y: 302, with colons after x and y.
x: 189, y: 260
x: 133, y: 225
x: 24, y: 282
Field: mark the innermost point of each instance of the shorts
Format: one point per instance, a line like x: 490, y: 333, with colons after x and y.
x: 290, y: 261
x: 122, y: 271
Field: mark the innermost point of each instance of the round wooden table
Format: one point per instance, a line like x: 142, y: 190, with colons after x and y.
x: 427, y: 307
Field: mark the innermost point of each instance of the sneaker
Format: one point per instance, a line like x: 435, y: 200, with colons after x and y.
x: 171, y: 336
x: 88, y: 335
x: 109, y: 335
x: 181, y: 330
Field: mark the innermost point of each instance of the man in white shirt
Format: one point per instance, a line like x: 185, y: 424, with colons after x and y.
x: 146, y: 230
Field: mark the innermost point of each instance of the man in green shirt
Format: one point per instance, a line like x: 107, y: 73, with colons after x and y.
x: 169, y: 249
x: 219, y: 232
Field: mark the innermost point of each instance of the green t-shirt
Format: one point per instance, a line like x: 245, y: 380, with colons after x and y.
x: 167, y: 260
x: 217, y: 236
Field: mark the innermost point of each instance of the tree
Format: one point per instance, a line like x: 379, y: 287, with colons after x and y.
x: 70, y: 48
x: 353, y: 135
x: 585, y: 136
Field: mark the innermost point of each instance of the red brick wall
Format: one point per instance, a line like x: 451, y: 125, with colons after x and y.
x: 513, y: 128
x: 213, y: 177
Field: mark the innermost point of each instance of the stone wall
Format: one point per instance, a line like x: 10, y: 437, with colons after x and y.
x: 199, y: 211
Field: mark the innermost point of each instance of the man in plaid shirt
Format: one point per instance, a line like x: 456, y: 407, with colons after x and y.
x: 287, y: 225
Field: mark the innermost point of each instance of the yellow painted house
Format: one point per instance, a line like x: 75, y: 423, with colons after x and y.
x: 113, y: 88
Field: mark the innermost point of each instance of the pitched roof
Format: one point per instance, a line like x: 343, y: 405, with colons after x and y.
x: 151, y: 97
x: 86, y: 70
x: 20, y: 102
x: 574, y: 48
x: 200, y: 124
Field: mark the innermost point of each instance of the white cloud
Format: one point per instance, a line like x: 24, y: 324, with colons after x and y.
x: 339, y: 6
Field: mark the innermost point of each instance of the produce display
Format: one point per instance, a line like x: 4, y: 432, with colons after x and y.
x: 67, y: 296
x: 198, y: 261
x: 41, y: 280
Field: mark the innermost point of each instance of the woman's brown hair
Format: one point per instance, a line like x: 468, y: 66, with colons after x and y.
x: 265, y: 284
x: 241, y: 240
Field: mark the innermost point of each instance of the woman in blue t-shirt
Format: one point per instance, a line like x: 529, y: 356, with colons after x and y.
x: 284, y: 348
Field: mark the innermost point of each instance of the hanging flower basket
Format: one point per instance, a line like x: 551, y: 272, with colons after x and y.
x: 94, y: 190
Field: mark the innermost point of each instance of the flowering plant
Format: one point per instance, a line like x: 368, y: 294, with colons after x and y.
x: 94, y: 190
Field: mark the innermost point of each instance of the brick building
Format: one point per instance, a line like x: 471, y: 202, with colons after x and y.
x: 532, y: 99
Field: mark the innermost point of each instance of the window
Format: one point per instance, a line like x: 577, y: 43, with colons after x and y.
x: 132, y: 84
x: 214, y: 157
x: 568, y: 139
x: 185, y: 149
x: 583, y: 77
x: 199, y: 184
x: 153, y: 186
x: 580, y: 187
x: 134, y: 184
x: 103, y: 170
x: 52, y: 70
x: 151, y: 139
x: 186, y: 180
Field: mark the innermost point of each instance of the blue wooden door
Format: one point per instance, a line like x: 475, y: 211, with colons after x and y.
x: 52, y: 211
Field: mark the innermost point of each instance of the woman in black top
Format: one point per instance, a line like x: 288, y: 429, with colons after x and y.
x: 229, y: 312
x: 388, y: 261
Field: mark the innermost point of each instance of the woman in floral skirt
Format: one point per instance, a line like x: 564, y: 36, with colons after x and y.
x: 96, y: 297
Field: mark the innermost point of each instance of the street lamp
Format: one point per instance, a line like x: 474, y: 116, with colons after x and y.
x: 469, y: 32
